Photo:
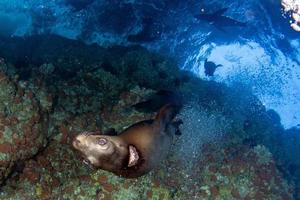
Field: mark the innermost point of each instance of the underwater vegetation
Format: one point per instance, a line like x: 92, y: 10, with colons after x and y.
x: 53, y: 88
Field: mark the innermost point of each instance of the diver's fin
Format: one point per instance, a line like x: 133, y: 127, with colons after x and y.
x: 220, y: 12
x: 219, y: 65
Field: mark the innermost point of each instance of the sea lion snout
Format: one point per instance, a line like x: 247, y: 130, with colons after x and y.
x: 75, y: 143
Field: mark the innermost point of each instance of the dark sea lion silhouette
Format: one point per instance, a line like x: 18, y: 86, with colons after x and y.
x: 136, y: 150
x: 219, y: 20
x: 210, y: 67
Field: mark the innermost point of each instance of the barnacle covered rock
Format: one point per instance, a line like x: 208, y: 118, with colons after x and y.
x: 22, y: 125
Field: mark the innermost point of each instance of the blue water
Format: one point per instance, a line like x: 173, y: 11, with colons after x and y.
x: 263, y: 55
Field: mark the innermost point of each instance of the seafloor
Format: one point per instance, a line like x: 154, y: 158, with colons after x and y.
x: 53, y: 88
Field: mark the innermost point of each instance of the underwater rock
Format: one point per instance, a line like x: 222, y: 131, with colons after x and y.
x: 125, y: 66
x: 22, y: 125
x: 10, y: 23
x: 47, y: 68
x: 240, y: 172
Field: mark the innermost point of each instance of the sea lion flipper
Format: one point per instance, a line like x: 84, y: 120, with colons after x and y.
x: 178, y: 132
x: 176, y: 124
x: 165, y: 116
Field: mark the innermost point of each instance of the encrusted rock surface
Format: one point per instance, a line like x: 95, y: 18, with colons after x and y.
x: 22, y: 124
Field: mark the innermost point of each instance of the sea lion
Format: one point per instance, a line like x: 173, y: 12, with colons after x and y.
x: 136, y: 150
x: 210, y: 67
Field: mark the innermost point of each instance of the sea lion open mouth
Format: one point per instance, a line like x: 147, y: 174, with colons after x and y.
x: 133, y: 156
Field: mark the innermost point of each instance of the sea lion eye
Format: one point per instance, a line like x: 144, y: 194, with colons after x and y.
x: 101, y: 141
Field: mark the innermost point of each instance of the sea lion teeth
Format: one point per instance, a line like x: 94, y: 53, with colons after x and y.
x: 133, y: 156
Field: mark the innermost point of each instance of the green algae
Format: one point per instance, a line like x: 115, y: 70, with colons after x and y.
x: 129, y: 193
x: 160, y: 193
x: 4, y: 156
x: 7, y: 135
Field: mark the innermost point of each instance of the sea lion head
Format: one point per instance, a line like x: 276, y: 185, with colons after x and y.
x: 106, y: 152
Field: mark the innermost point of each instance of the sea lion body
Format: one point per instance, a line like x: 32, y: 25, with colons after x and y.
x: 136, y: 150
x: 210, y: 67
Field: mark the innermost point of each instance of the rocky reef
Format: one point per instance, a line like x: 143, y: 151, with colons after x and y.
x: 231, y: 147
x: 23, y: 123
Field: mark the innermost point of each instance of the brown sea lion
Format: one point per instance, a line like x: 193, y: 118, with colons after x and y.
x: 136, y: 150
